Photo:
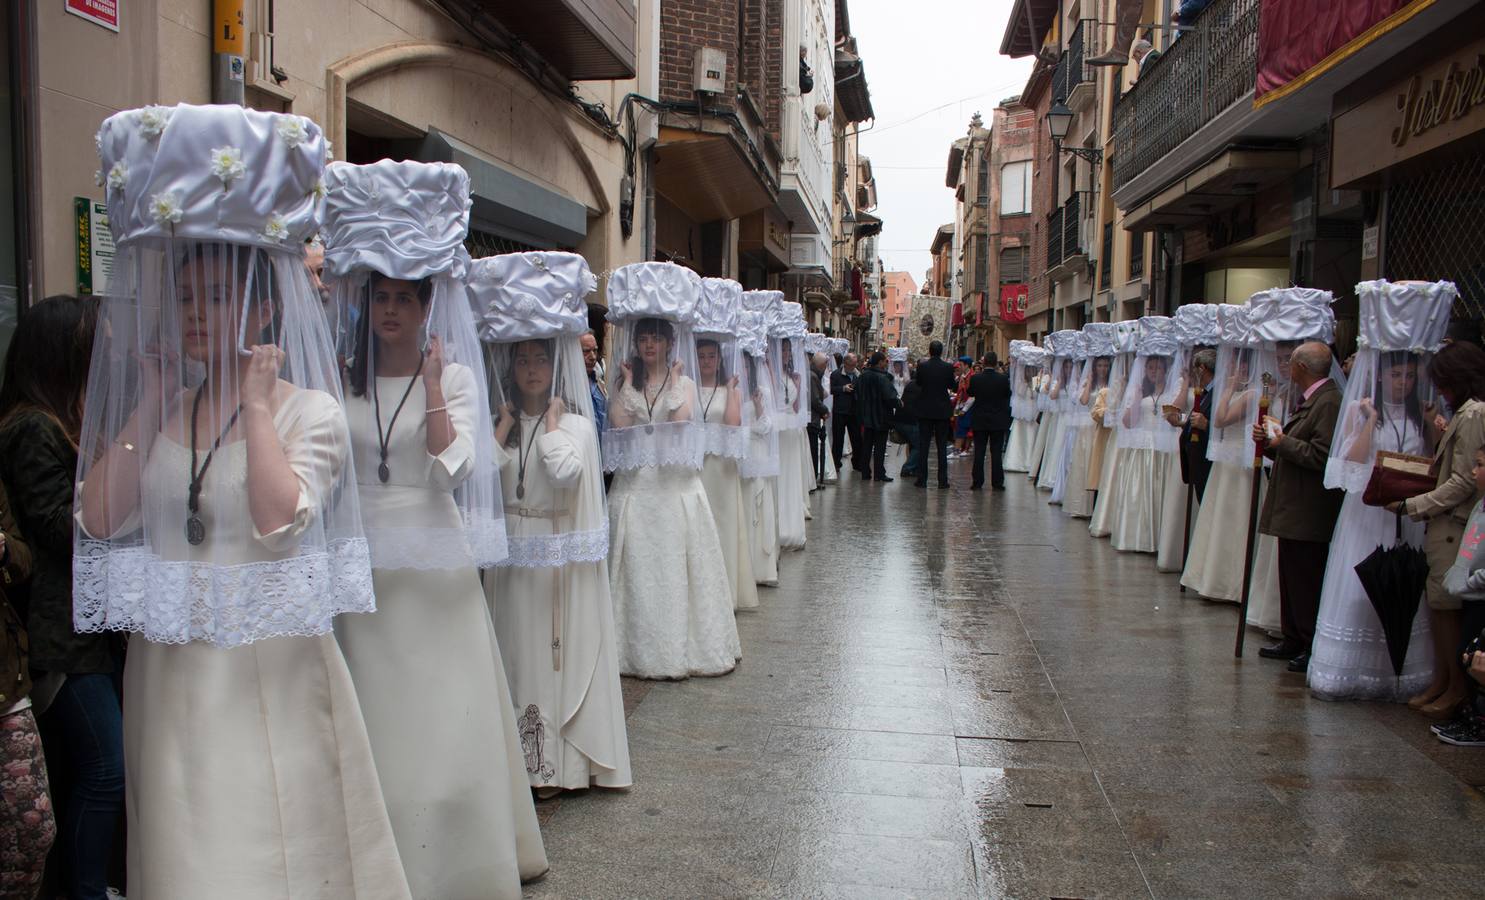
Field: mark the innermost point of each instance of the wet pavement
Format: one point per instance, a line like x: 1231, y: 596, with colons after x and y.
x: 958, y: 694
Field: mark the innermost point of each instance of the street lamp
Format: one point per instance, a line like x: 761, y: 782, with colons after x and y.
x: 1059, y: 120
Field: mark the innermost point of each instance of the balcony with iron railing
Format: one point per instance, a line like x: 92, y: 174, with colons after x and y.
x: 1201, y: 74
x: 1073, y: 79
x: 1065, y: 238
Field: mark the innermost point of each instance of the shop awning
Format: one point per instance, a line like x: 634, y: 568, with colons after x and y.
x: 1233, y: 177
x: 507, y: 203
x: 709, y: 175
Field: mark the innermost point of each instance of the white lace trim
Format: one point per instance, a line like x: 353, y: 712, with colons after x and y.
x: 176, y: 602
x: 625, y: 456
x: 552, y: 550
x: 731, y: 441
x: 481, y: 544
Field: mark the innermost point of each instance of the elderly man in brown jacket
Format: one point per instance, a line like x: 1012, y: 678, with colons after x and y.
x: 1299, y: 510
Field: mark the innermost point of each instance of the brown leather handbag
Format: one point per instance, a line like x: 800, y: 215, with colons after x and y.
x: 1398, y: 476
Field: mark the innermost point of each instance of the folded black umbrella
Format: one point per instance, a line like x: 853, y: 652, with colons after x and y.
x: 1394, y: 578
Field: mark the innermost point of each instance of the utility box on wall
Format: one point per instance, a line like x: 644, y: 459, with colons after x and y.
x: 711, y: 71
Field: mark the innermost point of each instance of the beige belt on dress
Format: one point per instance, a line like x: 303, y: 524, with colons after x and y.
x: 550, y: 515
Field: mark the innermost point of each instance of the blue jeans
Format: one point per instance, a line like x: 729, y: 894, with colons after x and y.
x: 86, y: 725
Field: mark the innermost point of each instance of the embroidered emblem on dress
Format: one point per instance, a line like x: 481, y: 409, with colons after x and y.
x: 533, y: 739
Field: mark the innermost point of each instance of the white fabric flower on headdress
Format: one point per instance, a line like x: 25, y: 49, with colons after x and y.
x: 98, y: 178
x: 318, y: 190
x: 226, y: 164
x: 152, y: 120
x: 291, y: 129
x: 118, y: 176
x: 276, y: 229
x: 165, y: 207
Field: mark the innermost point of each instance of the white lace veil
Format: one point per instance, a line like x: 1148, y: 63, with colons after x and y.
x: 1388, y: 394
x: 786, y: 332
x: 399, y: 227
x: 532, y: 314
x: 763, y: 437
x: 1281, y: 320
x: 719, y: 364
x: 1063, y: 370
x: 1231, y: 420
x: 654, y: 417
x: 1098, y: 367
x: 209, y: 208
x: 1151, y: 385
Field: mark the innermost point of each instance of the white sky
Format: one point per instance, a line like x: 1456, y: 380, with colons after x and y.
x: 930, y: 64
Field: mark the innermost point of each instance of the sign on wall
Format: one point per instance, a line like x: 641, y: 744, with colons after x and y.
x: 94, y: 245
x: 99, y: 12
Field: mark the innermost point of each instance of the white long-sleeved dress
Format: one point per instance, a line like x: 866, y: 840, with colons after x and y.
x: 427, y: 665
x: 556, y: 622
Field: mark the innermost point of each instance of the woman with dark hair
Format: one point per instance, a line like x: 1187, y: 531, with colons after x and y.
x: 427, y: 665
x: 1458, y: 373
x: 76, y: 693
x: 673, y: 615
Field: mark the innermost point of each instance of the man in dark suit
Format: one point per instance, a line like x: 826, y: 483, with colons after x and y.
x: 1195, y: 467
x: 1299, y: 511
x: 935, y: 407
x: 877, y: 402
x: 843, y: 419
x: 990, y: 420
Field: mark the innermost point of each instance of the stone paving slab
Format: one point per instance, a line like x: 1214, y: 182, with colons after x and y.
x: 958, y: 694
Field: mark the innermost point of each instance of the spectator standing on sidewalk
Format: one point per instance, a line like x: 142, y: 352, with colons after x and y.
x: 877, y: 403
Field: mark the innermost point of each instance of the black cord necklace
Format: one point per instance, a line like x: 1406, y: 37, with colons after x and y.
x: 650, y: 404
x: 521, y: 459
x: 383, y: 437
x: 706, y: 410
x: 195, y: 529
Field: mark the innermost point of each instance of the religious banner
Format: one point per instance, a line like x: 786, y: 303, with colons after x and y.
x: 927, y: 321
x: 1013, y: 301
x: 1300, y: 40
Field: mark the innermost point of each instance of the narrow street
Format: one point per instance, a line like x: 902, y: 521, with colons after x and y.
x: 956, y: 694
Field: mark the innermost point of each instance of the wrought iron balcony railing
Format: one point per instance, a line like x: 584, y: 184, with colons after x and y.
x: 1064, y: 232
x: 1197, y: 77
x: 1072, y: 69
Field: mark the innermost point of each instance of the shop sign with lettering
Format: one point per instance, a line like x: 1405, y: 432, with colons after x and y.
x: 1424, y: 111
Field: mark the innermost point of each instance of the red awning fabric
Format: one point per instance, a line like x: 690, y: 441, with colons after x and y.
x: 858, y: 293
x: 1300, y: 39
x: 956, y: 317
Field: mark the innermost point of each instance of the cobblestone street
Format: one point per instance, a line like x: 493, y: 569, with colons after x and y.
x: 956, y: 694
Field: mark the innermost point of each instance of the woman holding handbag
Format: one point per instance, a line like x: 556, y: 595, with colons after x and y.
x: 1458, y: 372
x: 1383, y: 411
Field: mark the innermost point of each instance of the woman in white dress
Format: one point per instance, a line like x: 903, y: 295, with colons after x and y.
x: 760, y: 469
x: 1144, y: 430
x: 718, y: 358
x: 1041, y: 385
x: 1023, y: 408
x: 1074, y: 414
x: 786, y: 332
x: 672, y: 610
x: 426, y: 664
x: 217, y: 519
x: 1063, y: 346
x: 1387, y: 395
x: 1196, y: 327
x: 550, y: 596
x: 1077, y: 493
x: 1107, y: 406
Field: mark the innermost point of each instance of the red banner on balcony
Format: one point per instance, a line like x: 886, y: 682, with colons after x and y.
x: 1013, y: 300
x: 1300, y: 40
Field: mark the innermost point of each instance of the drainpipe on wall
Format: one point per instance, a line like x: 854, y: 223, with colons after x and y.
x: 228, y: 47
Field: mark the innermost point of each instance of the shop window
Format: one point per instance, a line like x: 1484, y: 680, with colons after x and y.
x: 1136, y: 256
x: 1015, y: 188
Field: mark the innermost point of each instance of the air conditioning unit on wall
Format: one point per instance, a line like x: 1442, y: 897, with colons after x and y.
x: 711, y: 71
